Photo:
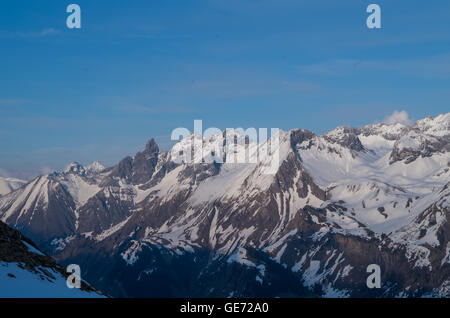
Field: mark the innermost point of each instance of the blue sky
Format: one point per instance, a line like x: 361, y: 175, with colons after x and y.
x: 139, y: 69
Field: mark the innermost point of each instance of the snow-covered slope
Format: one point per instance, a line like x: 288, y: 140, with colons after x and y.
x: 437, y: 126
x: 9, y: 184
x: 333, y: 204
x: 27, y: 272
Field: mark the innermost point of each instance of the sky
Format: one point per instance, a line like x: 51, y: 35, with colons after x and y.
x: 139, y: 69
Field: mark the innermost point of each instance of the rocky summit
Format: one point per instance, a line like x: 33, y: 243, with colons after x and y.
x: 151, y: 227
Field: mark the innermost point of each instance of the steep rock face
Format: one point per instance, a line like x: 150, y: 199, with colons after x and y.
x: 139, y: 169
x: 346, y: 137
x: 215, y: 227
x: 298, y: 136
x: 414, y: 144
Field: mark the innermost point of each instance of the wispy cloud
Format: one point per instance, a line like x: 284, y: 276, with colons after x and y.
x: 301, y: 86
x: 156, y: 36
x: 31, y: 34
x: 398, y: 39
x: 12, y: 101
x: 144, y: 109
x: 430, y: 67
x: 240, y: 85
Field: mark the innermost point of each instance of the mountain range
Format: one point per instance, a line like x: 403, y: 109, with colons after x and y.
x: 151, y: 227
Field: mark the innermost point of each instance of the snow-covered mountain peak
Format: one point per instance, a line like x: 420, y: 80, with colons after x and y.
x: 416, y: 144
x: 340, y: 131
x: 387, y: 131
x: 346, y: 137
x: 329, y: 196
x: 437, y: 126
x: 75, y: 167
x: 94, y: 167
x: 380, y: 138
x: 227, y: 146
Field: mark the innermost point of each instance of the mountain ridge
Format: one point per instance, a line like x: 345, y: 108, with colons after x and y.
x: 336, y: 203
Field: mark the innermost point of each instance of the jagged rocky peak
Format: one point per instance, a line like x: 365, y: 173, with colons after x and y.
x: 428, y: 136
x: 95, y: 167
x: 346, y: 137
x: 220, y: 147
x: 387, y: 131
x: 123, y: 169
x: 144, y: 163
x: 75, y: 167
x: 140, y: 169
x: 299, y: 136
x: 415, y: 144
x: 323, y: 204
x: 151, y: 147
x: 436, y: 126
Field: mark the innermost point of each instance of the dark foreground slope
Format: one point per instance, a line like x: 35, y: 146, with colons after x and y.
x: 27, y: 272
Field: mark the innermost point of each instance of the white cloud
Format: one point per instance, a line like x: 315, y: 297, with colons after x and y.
x: 400, y: 117
x: 31, y: 34
x: 48, y: 31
